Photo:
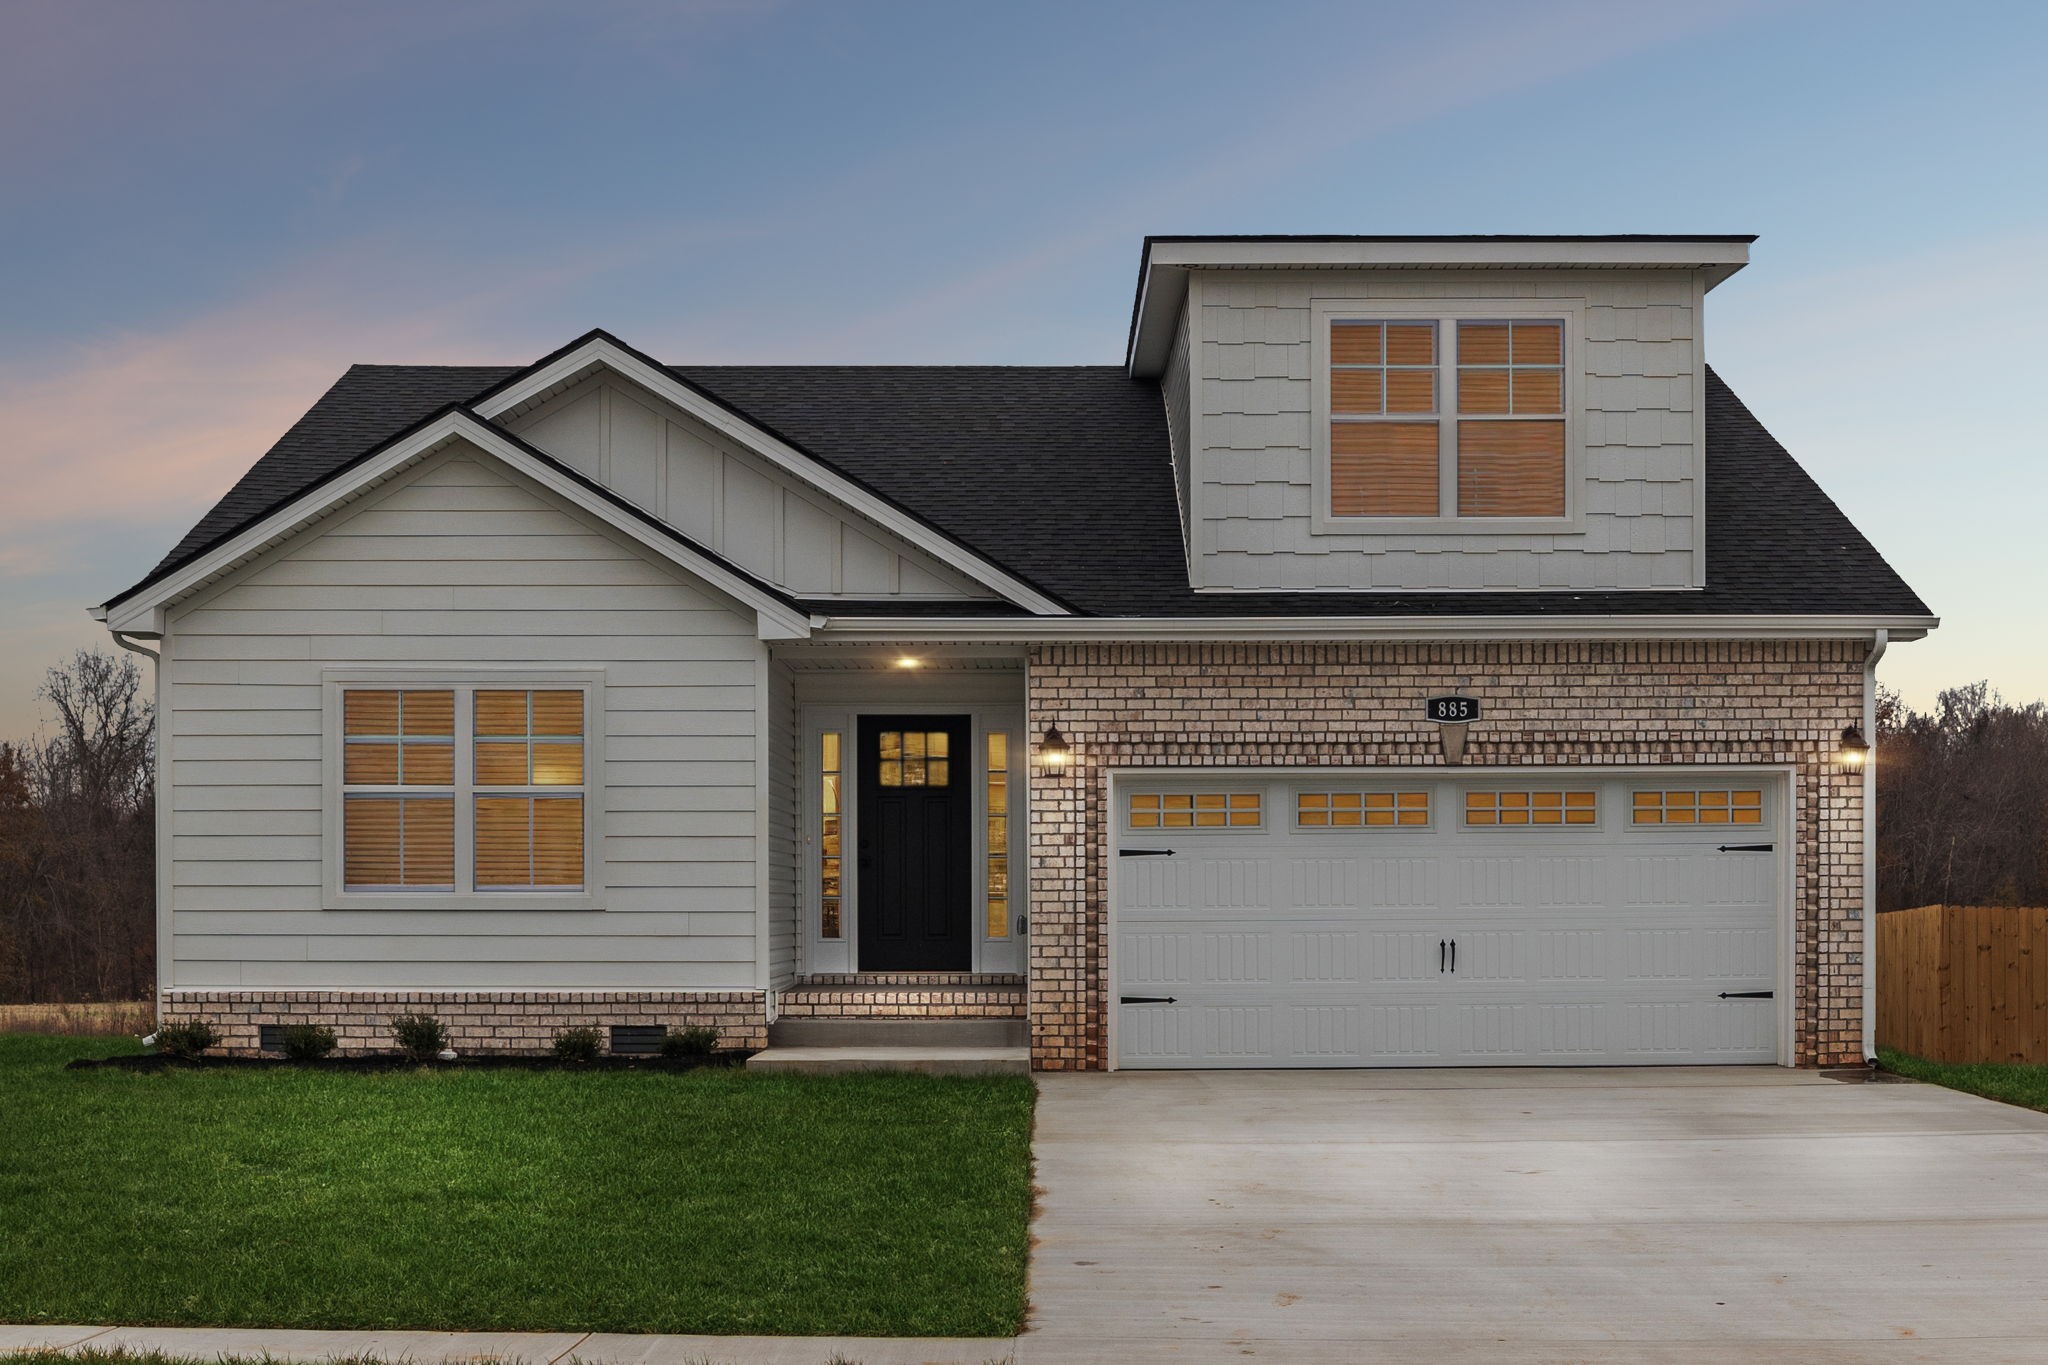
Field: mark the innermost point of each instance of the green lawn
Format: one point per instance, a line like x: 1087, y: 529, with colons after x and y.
x: 2011, y: 1082
x: 706, y: 1201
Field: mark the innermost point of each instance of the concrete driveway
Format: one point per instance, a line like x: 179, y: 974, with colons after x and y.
x: 1683, y: 1215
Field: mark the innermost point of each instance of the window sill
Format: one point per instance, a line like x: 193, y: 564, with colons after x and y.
x: 1449, y: 526
x: 449, y: 900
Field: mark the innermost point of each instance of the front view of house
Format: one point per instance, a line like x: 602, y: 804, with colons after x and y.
x: 1412, y: 655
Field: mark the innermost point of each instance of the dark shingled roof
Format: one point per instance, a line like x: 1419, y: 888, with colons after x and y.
x: 1062, y: 476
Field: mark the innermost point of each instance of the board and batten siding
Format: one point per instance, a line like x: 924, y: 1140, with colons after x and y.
x: 1641, y: 381
x: 728, y: 500
x: 460, y: 562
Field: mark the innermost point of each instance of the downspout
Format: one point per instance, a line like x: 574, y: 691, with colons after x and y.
x: 1877, y: 646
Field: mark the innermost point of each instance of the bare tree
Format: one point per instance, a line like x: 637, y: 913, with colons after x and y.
x: 1962, y: 801
x: 77, y: 841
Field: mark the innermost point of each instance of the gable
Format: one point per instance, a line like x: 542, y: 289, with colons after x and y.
x: 729, y: 500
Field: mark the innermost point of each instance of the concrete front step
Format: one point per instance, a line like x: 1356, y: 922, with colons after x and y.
x: 937, y: 1061
x: 886, y: 1032
x: 927, y: 1002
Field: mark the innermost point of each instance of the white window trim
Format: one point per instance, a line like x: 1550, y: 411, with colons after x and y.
x: 464, y: 682
x: 1446, y: 314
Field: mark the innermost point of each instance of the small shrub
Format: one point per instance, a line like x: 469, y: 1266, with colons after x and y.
x: 689, y: 1042
x: 187, y: 1039
x: 421, y: 1037
x: 578, y: 1045
x: 307, y: 1042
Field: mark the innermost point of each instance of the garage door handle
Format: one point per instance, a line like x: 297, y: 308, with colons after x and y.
x: 1145, y: 999
x: 1749, y: 995
x: 1144, y: 853
x: 1744, y: 848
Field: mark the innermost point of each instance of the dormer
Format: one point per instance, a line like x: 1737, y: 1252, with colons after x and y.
x: 1434, y: 413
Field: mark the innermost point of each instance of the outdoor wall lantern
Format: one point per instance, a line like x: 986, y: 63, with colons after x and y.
x: 1053, y: 750
x: 1855, y: 750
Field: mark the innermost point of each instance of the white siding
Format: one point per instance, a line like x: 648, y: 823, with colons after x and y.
x: 460, y: 563
x: 1176, y: 386
x: 784, y: 741
x: 1642, y: 377
x: 729, y: 501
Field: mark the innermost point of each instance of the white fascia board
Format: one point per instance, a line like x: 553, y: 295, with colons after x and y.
x: 144, y: 613
x: 666, y: 386
x: 907, y: 628
x: 1168, y: 264
x: 1686, y: 254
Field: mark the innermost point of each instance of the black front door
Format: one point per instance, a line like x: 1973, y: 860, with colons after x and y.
x: 916, y: 865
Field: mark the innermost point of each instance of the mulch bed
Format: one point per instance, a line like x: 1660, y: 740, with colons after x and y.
x: 487, y: 1061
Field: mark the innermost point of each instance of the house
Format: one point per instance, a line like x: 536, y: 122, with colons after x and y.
x: 1412, y: 654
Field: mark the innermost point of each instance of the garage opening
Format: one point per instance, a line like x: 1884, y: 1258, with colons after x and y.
x: 1489, y: 919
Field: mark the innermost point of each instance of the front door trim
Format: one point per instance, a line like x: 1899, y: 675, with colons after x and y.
x: 820, y: 955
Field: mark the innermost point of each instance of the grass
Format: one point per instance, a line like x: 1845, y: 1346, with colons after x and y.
x: 2012, y: 1082
x: 709, y: 1201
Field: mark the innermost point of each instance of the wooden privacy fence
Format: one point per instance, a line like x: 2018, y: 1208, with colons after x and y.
x: 1964, y: 983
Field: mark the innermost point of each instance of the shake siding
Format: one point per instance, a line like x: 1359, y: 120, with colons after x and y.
x: 461, y: 563
x: 1640, y: 377
x: 1176, y: 386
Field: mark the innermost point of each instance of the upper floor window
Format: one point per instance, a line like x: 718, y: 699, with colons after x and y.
x: 1434, y: 418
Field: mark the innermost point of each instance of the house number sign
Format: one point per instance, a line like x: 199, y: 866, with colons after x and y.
x: 1451, y: 710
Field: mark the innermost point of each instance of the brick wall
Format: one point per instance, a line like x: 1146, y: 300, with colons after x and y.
x: 1281, y: 705
x: 478, y: 1021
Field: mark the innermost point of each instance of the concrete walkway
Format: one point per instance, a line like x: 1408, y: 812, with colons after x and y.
x: 1655, y: 1217
x: 530, y: 1348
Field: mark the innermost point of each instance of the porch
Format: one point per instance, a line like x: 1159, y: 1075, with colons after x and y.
x: 903, y: 814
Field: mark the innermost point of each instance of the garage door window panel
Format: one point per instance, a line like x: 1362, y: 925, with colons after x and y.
x: 1361, y: 809
x: 1514, y: 809
x: 1194, y: 810
x: 1697, y: 806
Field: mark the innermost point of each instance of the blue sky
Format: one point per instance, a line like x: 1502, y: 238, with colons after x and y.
x: 208, y: 210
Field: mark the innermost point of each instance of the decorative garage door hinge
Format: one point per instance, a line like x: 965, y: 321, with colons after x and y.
x: 1144, y: 853
x: 1145, y: 999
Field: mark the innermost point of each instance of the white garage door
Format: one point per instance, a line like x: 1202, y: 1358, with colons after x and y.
x: 1477, y: 921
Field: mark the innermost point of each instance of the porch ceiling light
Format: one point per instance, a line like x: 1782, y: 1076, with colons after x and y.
x: 906, y: 661
x: 1855, y: 750
x: 1053, y: 750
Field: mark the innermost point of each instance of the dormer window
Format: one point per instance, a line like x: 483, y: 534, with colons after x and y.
x: 1427, y: 416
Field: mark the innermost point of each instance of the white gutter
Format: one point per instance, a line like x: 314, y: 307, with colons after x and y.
x: 1877, y: 647
x: 896, y: 629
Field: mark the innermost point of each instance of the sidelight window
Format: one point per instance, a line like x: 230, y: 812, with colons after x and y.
x: 997, y: 794
x: 830, y: 850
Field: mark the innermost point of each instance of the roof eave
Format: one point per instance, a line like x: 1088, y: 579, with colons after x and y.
x: 1167, y: 261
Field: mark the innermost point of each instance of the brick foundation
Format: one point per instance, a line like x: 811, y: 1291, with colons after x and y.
x: 477, y: 1021
x: 1338, y: 704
